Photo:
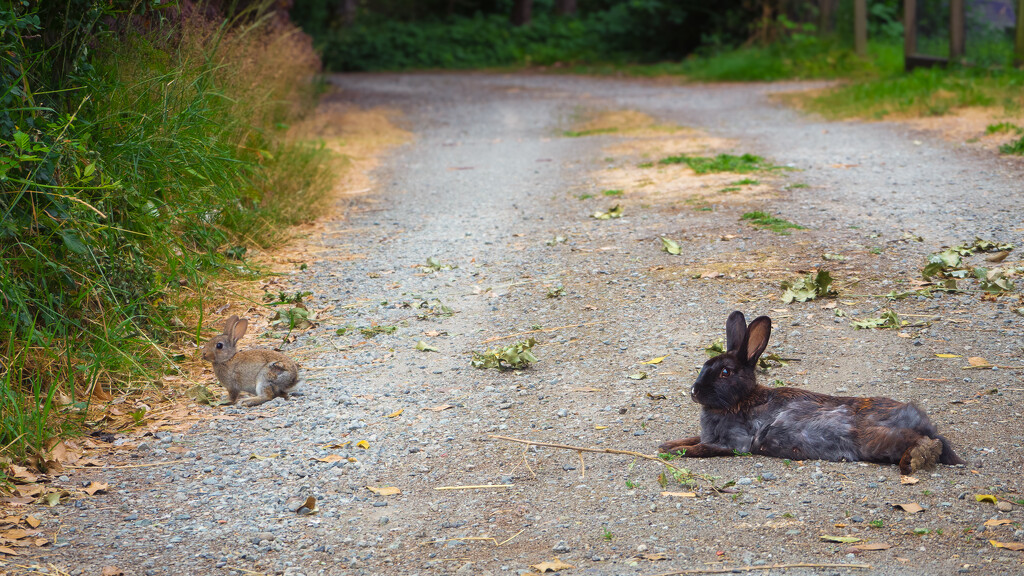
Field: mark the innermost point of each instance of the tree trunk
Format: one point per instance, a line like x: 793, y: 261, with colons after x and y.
x: 348, y: 11
x: 565, y: 7
x: 521, y: 12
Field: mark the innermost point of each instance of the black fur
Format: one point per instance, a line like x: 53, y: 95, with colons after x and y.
x: 741, y: 416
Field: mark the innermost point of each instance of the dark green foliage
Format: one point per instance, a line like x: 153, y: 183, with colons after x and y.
x: 720, y: 163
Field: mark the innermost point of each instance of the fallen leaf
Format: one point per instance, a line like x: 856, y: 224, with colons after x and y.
x: 432, y: 333
x: 90, y: 462
x: 384, y: 490
x: 680, y: 494
x: 978, y: 362
x: 841, y: 539
x: 19, y: 501
x: 599, y: 427
x: 16, y: 534
x: 363, y: 444
x: 202, y: 395
x: 551, y: 566
x: 909, y: 480
x: 868, y: 547
x: 655, y: 360
x: 95, y: 487
x: 40, y: 542
x: 638, y: 376
x: 671, y: 246
x: 259, y: 457
x: 336, y: 445
x: 911, y: 507
x: 309, y: 505
x: 985, y: 498
x: 330, y: 458
x: 52, y: 499
x: 32, y: 521
x: 424, y: 347
x: 8, y: 551
x: 353, y: 459
x: 656, y: 396
x: 29, y: 489
x: 21, y: 474
x: 948, y: 356
x: 1016, y: 546
x: 653, y: 557
x: 112, y: 571
x: 998, y: 521
x: 439, y: 408
x: 396, y: 413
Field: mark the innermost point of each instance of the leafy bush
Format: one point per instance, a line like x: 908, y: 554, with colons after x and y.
x: 128, y: 157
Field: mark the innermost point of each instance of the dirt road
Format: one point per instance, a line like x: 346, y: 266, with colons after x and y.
x: 491, y: 189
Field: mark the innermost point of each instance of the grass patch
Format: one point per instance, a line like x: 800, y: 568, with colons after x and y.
x: 923, y: 92
x: 592, y: 132
x: 1015, y: 147
x: 746, y: 182
x: 720, y: 163
x: 766, y: 220
x: 612, y: 192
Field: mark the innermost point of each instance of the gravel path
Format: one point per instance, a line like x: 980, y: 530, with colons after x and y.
x: 486, y: 183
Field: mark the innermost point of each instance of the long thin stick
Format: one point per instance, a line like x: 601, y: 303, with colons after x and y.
x: 772, y: 567
x: 472, y: 487
x: 124, y: 466
x: 582, y: 449
x: 546, y: 330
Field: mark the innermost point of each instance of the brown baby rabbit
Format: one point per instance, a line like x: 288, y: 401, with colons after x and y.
x: 741, y: 416
x: 265, y: 374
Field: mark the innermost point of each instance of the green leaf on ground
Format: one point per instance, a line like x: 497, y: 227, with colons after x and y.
x: 715, y: 348
x: 766, y: 220
x: 671, y: 246
x: 613, y: 212
x: 888, y: 319
x: 424, y: 347
x: 556, y: 291
x: 515, y: 356
x: 841, y: 539
x: 814, y: 286
x: 638, y: 376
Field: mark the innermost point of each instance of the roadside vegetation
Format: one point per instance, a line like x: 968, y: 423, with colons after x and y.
x: 142, y: 151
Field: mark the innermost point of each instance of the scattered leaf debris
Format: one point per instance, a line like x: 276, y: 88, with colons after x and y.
x: 515, y: 356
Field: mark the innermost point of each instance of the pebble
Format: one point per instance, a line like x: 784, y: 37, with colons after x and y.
x: 562, y: 547
x: 1004, y: 506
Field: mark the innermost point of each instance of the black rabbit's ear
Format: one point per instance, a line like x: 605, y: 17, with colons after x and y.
x: 757, y: 339
x: 735, y: 331
x: 238, y: 330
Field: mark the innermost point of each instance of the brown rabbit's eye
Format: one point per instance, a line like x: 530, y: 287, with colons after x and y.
x: 220, y: 345
x: 725, y: 373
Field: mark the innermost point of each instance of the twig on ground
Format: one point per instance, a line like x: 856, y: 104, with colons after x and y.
x: 581, y: 449
x: 476, y: 538
x: 545, y: 330
x: 473, y: 487
x: 766, y: 567
x: 123, y: 466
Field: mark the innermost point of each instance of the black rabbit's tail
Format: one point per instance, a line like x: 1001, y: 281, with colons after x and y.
x: 948, y: 456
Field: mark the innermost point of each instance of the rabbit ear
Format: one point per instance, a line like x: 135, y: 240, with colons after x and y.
x: 230, y: 323
x: 238, y: 330
x: 757, y: 339
x: 735, y: 331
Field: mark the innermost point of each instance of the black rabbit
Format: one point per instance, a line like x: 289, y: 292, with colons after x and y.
x: 740, y: 416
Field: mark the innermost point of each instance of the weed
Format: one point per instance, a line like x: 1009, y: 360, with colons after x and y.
x: 746, y: 182
x: 787, y: 515
x: 875, y: 250
x: 876, y: 523
x: 645, y: 165
x: 630, y: 484
x: 798, y: 186
x: 606, y: 534
x: 729, y: 189
x: 926, y: 492
x: 612, y: 192
x: 1015, y: 147
x: 787, y: 463
x: 738, y: 453
x: 580, y: 133
x: 374, y: 331
x: 585, y: 196
x: 766, y: 220
x: 1003, y: 127
x: 556, y: 291
x: 720, y: 163
x: 778, y: 383
x: 813, y: 286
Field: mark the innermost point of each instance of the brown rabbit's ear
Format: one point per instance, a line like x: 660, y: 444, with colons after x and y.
x: 735, y: 331
x: 230, y: 323
x: 757, y: 339
x: 238, y: 330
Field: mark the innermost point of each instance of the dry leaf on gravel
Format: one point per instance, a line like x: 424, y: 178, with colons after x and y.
x: 910, y: 507
x: 841, y: 539
x: 651, y: 557
x: 305, y: 507
x: 21, y: 474
x: 978, y: 362
x: 112, y: 571
x: 909, y: 480
x: 680, y: 494
x: 439, y: 408
x: 330, y: 458
x: 1016, y: 546
x: 363, y: 444
x: 32, y: 521
x: 655, y: 360
x: 95, y: 487
x: 384, y: 490
x: 396, y: 413
x: 985, y: 498
x: 551, y: 566
x: 8, y: 551
x: 997, y: 521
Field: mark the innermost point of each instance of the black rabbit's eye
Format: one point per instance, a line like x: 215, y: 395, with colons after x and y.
x: 220, y: 345
x: 725, y: 373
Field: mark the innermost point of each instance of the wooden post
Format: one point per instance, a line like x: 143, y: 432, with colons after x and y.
x: 956, y: 30
x: 860, y: 27
x: 1018, y: 46
x: 910, y: 32
x: 825, y: 17
x: 521, y: 12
